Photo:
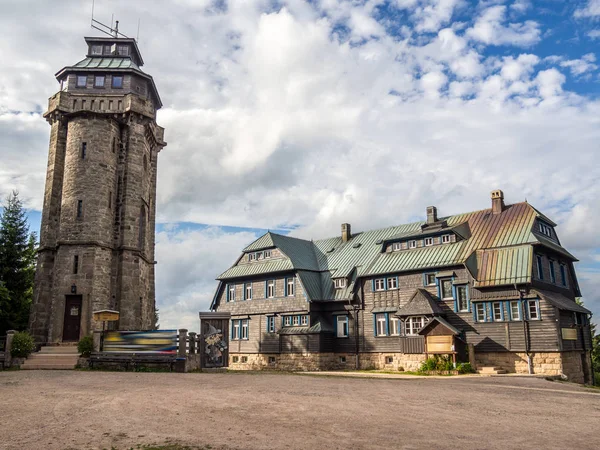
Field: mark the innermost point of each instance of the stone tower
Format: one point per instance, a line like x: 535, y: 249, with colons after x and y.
x: 97, y: 233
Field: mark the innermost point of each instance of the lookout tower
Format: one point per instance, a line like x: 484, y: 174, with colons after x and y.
x: 97, y: 233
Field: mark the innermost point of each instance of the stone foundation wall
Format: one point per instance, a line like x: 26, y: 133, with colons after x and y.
x: 544, y: 363
x: 324, y: 361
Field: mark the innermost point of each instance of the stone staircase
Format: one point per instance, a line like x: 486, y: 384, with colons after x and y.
x: 53, y: 357
x: 490, y: 371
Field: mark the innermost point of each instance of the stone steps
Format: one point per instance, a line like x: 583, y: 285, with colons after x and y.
x: 61, y: 357
x: 491, y: 371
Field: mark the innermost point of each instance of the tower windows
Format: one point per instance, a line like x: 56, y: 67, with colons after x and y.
x: 117, y: 81
x: 123, y: 50
x: 81, y: 81
x: 97, y: 49
x: 114, y: 145
x: 79, y: 209
x: 83, y: 149
x: 99, y: 81
x: 75, y: 264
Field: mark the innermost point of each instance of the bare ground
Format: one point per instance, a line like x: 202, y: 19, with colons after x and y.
x: 89, y: 410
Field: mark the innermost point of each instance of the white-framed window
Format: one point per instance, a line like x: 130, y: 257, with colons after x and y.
x: 250, y: 256
x: 244, y: 328
x: 462, y: 299
x: 396, y: 246
x: 380, y: 284
x: 381, y: 321
x: 413, y: 325
x: 270, y: 288
x: 392, y: 283
x: 563, y: 275
x: 545, y: 229
x: 339, y: 283
x: 249, y: 291
x: 497, y: 312
x: 258, y: 255
x: 552, y: 273
x: 287, y: 321
x: 235, y: 330
x: 540, y: 267
x: 99, y: 81
x: 394, y: 326
x: 267, y: 253
x: 533, y: 310
x: 271, y: 324
x: 81, y: 81
x: 480, y: 313
x: 304, y: 320
x: 97, y: 49
x: 428, y: 242
x: 231, y: 293
x: 430, y: 279
x: 412, y: 244
x: 446, y: 289
x: 446, y: 239
x: 515, y: 311
x: 295, y: 320
x: 342, y: 326
x: 290, y: 287
x: 123, y: 50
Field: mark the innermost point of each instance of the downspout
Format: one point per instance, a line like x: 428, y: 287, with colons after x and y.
x: 525, y: 332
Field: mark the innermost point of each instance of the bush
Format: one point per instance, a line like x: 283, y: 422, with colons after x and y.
x: 85, y: 346
x: 465, y: 368
x: 437, y: 363
x: 22, y: 345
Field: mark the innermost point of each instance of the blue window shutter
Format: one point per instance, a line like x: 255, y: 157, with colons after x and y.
x: 508, y: 310
x: 274, y: 287
x: 455, y: 295
x: 387, y: 324
x: 244, y: 293
x: 397, y: 283
x: 347, y: 327
x: 227, y: 291
x: 373, y: 285
x: 374, y: 324
x: 490, y: 318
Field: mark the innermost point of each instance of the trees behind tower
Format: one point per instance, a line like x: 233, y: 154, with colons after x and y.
x: 17, y: 265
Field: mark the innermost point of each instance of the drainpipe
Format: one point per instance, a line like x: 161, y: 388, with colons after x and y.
x: 526, y: 332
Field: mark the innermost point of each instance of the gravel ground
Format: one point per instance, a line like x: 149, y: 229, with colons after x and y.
x: 89, y: 410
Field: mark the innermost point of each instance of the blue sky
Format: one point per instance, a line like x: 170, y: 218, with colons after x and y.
x: 297, y: 116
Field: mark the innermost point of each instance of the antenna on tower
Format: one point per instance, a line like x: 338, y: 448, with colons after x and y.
x: 112, y: 32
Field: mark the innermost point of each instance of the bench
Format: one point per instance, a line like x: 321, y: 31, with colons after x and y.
x: 133, y: 359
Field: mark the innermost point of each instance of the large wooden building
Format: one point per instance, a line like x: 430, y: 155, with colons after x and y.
x: 498, y: 279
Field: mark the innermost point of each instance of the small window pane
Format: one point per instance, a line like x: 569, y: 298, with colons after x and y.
x: 480, y: 310
x: 497, y: 308
x: 81, y: 80
x: 515, y: 311
x: 117, y: 81
x: 97, y: 49
x: 463, y: 302
x: 447, y: 288
x: 99, y: 81
x: 430, y: 279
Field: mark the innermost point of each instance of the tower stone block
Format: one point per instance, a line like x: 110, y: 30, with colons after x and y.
x: 97, y: 232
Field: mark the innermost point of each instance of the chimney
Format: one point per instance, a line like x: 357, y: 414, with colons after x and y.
x: 431, y: 215
x: 497, y: 201
x: 346, y: 232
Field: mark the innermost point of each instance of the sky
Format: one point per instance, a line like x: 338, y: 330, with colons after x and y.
x: 296, y: 116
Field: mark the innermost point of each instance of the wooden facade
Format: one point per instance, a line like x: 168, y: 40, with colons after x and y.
x: 501, y: 293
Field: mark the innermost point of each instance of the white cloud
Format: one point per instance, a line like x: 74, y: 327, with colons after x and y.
x: 489, y: 28
x: 594, y: 34
x: 591, y: 9
x: 274, y: 120
x: 582, y: 65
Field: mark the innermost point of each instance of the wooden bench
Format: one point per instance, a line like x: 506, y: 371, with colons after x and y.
x: 133, y: 359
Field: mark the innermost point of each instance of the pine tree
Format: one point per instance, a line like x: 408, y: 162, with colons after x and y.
x: 17, y: 265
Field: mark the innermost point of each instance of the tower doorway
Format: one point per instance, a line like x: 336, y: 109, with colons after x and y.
x: 72, y: 322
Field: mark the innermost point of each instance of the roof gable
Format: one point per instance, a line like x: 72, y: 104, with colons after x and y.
x: 421, y: 303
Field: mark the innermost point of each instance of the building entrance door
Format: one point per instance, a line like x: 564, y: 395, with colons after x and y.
x: 72, y: 322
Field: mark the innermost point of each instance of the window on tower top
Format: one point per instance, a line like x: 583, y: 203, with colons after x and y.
x: 99, y: 81
x: 123, y: 50
x: 97, y: 49
x: 81, y: 80
x: 117, y: 81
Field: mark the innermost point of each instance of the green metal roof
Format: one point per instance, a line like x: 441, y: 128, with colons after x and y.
x: 496, y: 249
x: 107, y: 63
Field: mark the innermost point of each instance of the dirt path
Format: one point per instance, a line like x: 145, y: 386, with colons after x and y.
x: 85, y: 410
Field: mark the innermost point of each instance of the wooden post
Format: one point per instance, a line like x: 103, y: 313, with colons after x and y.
x: 471, y: 349
x: 10, y: 334
x: 192, y: 343
x: 182, y: 342
x: 97, y: 338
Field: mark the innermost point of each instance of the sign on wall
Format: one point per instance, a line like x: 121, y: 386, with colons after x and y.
x: 569, y: 334
x: 154, y: 341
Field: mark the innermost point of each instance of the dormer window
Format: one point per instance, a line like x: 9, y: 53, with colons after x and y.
x: 412, y: 244
x: 81, y: 81
x: 123, y: 50
x: 396, y: 246
x: 99, y: 81
x: 545, y: 229
x: 97, y: 49
x: 428, y: 242
x: 445, y: 239
x: 339, y: 283
x: 267, y: 253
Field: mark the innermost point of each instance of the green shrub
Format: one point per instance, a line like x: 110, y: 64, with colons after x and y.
x: 465, y: 368
x: 437, y: 363
x: 429, y: 365
x: 85, y: 346
x: 22, y: 345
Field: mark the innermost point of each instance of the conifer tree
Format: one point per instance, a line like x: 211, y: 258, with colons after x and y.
x: 17, y: 265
